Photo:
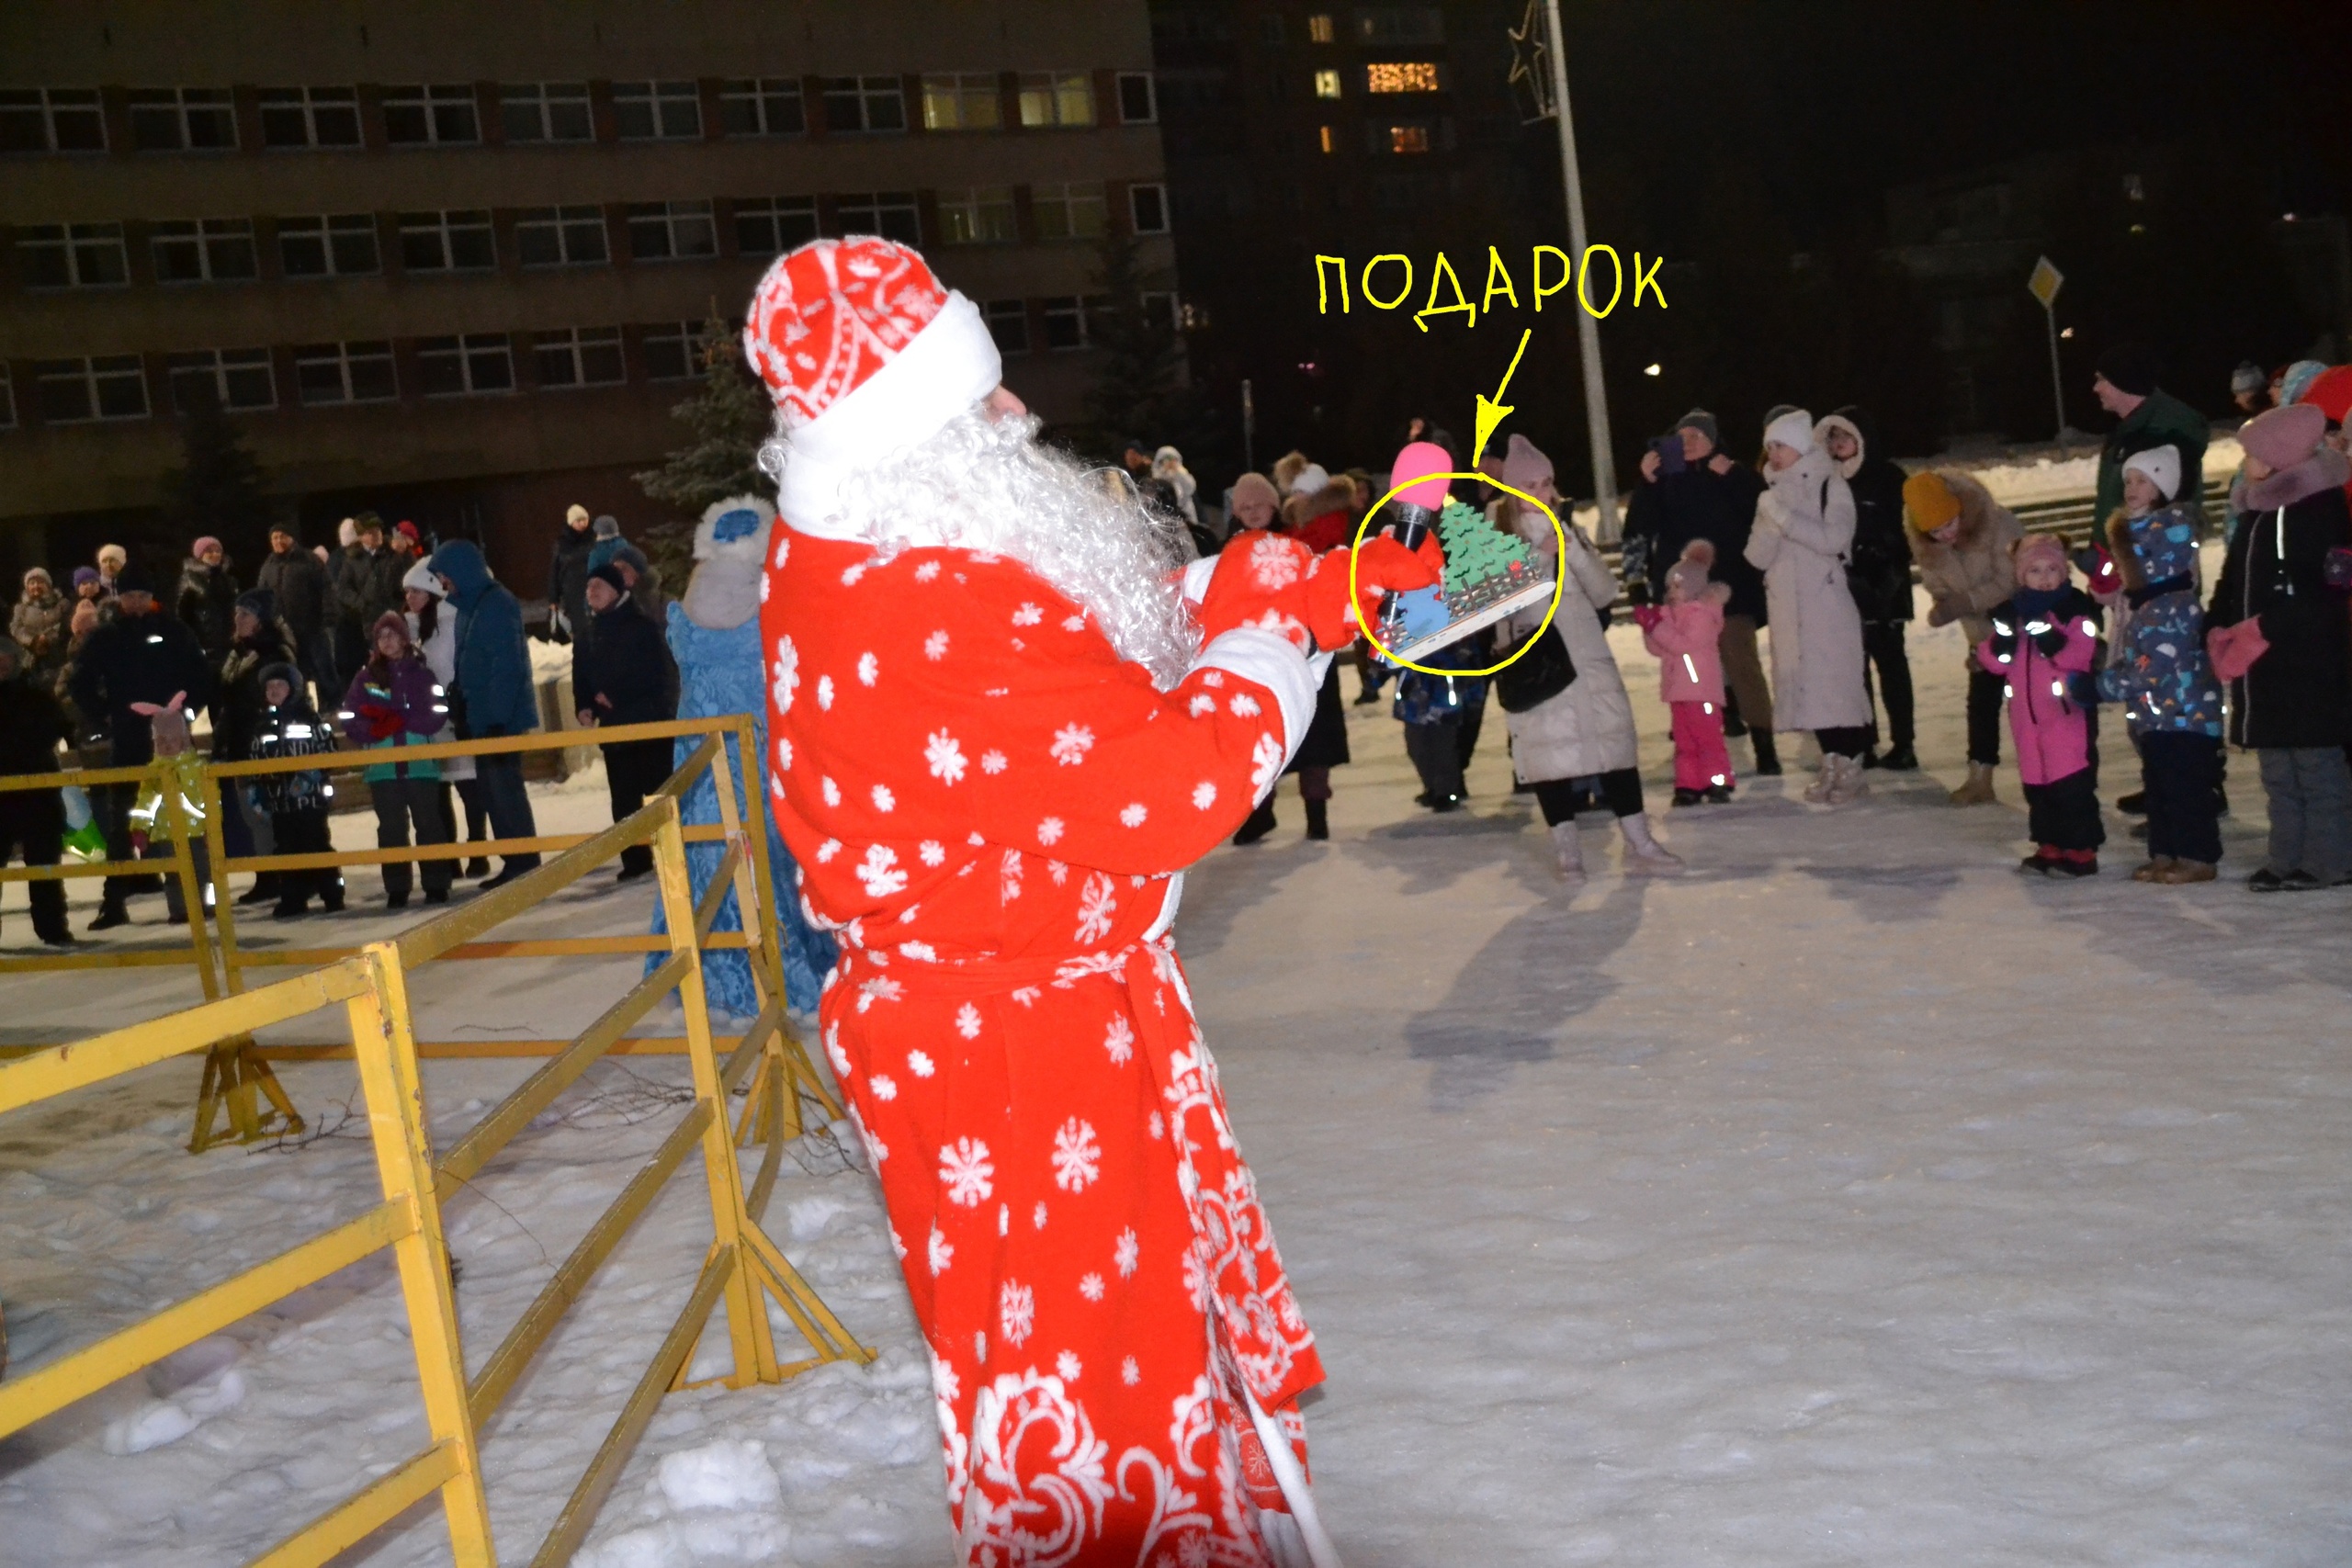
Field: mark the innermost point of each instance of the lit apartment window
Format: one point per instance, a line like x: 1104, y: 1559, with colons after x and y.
x: 582, y: 357
x: 1138, y: 102
x: 670, y: 350
x: 1008, y: 324
x: 545, y: 111
x: 182, y: 120
x: 430, y: 115
x: 207, y: 250
x: 52, y: 119
x: 344, y: 373
x: 978, y: 215
x: 1056, y: 97
x: 342, y: 245
x: 1068, y: 211
x: 671, y: 231
x: 1320, y: 28
x: 1400, y: 25
x: 72, y: 255
x: 1327, y: 84
x: 863, y: 103
x: 83, y: 392
x: 465, y: 367
x: 769, y: 226
x: 561, y: 236
x: 767, y: 106
x: 657, y: 111
x: 1408, y: 139
x: 1324, y: 138
x: 1065, y: 322
x: 1148, y: 208
x: 889, y: 213
x: 961, y: 102
x: 309, y: 117
x: 232, y: 378
x: 1414, y: 76
x: 446, y: 242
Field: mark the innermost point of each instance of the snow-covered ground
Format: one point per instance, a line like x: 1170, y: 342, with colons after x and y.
x: 1853, y: 1199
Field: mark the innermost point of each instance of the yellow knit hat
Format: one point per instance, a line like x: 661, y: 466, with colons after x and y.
x: 1929, y: 501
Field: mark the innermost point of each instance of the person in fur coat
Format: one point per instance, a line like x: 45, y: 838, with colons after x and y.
x: 1804, y: 528
x: 1963, y: 538
x: 2038, y: 649
x: 1685, y: 634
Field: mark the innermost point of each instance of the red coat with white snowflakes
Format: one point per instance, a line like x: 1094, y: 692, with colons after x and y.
x: 991, y: 804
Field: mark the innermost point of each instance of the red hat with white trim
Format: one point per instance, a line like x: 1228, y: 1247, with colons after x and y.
x: 864, y: 353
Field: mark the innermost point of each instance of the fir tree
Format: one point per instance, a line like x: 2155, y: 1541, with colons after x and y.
x: 219, y: 487
x: 1139, y: 393
x: 729, y: 416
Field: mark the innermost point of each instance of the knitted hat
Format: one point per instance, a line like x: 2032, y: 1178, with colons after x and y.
x: 610, y: 576
x: 863, y: 352
x: 2038, y: 546
x: 2130, y: 367
x: 1793, y: 429
x: 2331, y: 394
x: 2284, y: 436
x: 1929, y: 501
x: 397, y: 621
x: 1704, y: 423
x: 41, y: 572
x: 1689, y: 575
x: 133, y: 580
x: 420, y: 577
x: 2162, y: 465
x: 206, y: 542
x: 608, y: 527
x: 1258, y: 485
x: 575, y: 514
x: 114, y: 553
x: 2247, y: 377
x: 2298, y: 380
x: 260, y: 603
x: 82, y: 574
x: 1309, y: 479
x: 1525, y: 465
x: 407, y: 530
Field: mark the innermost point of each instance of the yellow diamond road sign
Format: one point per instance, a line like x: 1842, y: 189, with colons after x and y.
x: 2045, y: 282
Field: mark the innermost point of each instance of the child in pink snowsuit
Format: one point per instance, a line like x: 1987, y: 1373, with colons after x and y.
x: 2043, y: 644
x: 1683, y: 633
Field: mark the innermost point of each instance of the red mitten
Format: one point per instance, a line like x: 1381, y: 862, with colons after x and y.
x: 383, y: 723
x: 1259, y: 581
x: 1382, y: 566
x: 1647, y: 616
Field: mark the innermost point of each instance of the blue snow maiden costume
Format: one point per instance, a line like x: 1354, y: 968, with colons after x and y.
x: 714, y: 636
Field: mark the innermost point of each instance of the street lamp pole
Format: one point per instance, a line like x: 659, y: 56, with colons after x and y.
x: 1596, y: 395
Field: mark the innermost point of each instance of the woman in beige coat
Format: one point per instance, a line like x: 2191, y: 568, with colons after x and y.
x: 1804, y: 528
x: 1963, y: 539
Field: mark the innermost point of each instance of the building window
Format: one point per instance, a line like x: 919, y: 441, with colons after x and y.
x: 582, y: 356
x: 182, y: 120
x: 864, y: 104
x: 1416, y: 76
x: 1065, y: 322
x: 1148, y: 208
x: 961, y: 102
x: 343, y: 245
x: 1056, y: 97
x: 1400, y: 25
x: 1320, y: 28
x: 1409, y: 136
x: 1327, y: 84
x: 889, y: 213
x: 1160, y: 309
x: 657, y: 111
x: 441, y: 116
x: 545, y: 111
x: 1069, y: 211
x: 670, y: 350
x: 1138, y: 103
x: 231, y: 378
x: 344, y: 373
x: 561, y: 236
x: 1007, y: 325
x: 671, y: 231
x: 207, y: 250
x: 767, y: 106
x: 72, y: 255
x: 1325, y: 139
x: 83, y: 392
x: 52, y: 119
x: 446, y: 242
x: 769, y: 226
x: 465, y: 367
x: 309, y: 117
x: 978, y: 215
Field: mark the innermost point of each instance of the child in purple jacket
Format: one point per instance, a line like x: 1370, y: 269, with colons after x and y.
x: 2041, y: 640
x: 395, y: 702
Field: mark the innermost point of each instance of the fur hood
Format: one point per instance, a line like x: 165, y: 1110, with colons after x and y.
x: 1337, y: 496
x: 2326, y: 469
x: 730, y: 562
x: 1850, y: 466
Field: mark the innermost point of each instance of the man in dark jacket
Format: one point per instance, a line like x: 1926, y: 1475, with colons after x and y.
x: 142, y: 655
x: 369, y: 584
x: 2147, y: 417
x: 1708, y: 496
x: 32, y: 821
x: 568, y: 578
x: 208, y: 596
x: 298, y: 581
x: 495, y: 690
x: 1879, y: 573
x: 628, y: 677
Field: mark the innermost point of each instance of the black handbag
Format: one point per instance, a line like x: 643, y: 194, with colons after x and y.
x: 1537, y: 675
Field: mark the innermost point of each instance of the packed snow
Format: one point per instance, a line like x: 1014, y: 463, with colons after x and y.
x: 1851, y: 1200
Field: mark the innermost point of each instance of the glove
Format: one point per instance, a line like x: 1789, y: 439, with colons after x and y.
x: 1259, y: 580
x: 2049, y: 639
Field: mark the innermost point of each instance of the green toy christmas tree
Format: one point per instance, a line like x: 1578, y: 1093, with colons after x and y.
x: 1482, y: 562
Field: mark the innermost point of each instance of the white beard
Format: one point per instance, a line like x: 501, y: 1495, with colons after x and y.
x: 985, y: 484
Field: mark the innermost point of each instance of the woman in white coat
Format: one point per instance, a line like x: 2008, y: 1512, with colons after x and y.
x: 1585, y: 730
x: 1803, y: 535
x: 432, y: 628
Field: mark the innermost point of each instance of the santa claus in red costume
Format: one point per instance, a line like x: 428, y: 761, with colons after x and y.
x: 1002, y: 723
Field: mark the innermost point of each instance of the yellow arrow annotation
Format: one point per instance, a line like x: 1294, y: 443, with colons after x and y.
x: 1493, y: 411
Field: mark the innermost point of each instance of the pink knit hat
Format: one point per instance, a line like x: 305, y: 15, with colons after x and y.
x: 2038, y: 546
x: 1688, y: 575
x: 2283, y: 437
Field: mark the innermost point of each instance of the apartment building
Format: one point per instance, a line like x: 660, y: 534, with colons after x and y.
x: 448, y: 261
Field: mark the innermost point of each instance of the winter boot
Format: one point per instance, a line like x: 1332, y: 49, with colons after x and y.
x: 1717, y: 794
x: 1260, y: 823
x: 1978, y: 790
x: 1318, y: 819
x: 2074, y: 863
x: 263, y: 891
x: 1644, y: 856
x: 1845, y: 782
x: 2153, y: 871
x: 1688, y: 796
x: 2187, y: 871
x: 1900, y: 759
x: 2041, y: 863
x: 1817, y: 792
x: 1767, y: 756
x: 1569, y: 853
x: 2133, y: 805
x: 111, y: 913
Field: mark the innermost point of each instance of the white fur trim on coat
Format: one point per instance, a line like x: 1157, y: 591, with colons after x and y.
x: 1274, y: 663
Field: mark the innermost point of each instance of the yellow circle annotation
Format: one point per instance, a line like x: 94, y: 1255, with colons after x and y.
x: 1559, y: 575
